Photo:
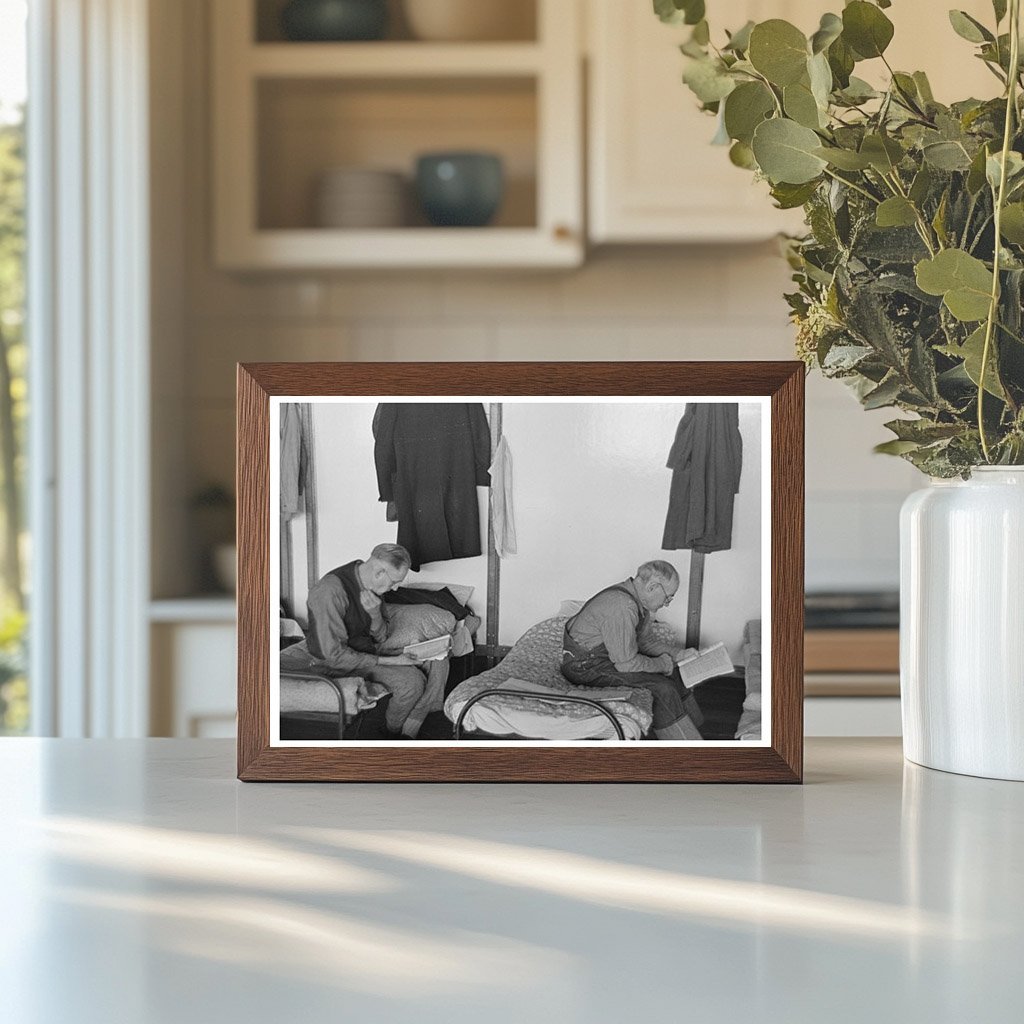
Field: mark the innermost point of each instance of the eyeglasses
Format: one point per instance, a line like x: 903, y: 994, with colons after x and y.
x: 668, y: 596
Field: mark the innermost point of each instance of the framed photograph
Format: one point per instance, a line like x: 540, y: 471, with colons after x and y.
x: 518, y: 572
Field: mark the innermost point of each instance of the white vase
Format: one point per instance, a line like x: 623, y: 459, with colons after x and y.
x: 962, y: 624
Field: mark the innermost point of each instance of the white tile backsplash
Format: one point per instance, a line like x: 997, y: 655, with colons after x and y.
x: 718, y: 302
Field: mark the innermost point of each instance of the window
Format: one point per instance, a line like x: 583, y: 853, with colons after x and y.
x: 14, y: 549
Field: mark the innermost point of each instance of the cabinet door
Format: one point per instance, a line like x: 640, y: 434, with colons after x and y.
x: 653, y: 174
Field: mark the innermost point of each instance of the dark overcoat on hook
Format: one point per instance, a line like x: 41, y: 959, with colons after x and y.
x: 706, y: 460
x: 431, y: 457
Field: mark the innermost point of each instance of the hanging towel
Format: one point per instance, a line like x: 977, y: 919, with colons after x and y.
x: 706, y: 460
x: 501, y: 500
x: 430, y: 459
x: 291, y: 459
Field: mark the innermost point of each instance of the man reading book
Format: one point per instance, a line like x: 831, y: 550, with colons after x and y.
x: 346, y: 628
x: 609, y: 643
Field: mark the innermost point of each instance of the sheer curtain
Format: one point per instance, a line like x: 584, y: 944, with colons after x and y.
x: 88, y: 300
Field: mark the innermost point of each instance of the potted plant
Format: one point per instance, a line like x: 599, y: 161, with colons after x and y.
x: 909, y: 285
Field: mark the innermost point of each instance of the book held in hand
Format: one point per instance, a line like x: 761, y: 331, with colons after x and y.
x: 698, y: 666
x: 430, y: 650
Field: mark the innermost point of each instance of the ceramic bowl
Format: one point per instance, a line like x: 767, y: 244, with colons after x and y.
x: 468, y: 20
x: 460, y: 189
x: 334, y: 20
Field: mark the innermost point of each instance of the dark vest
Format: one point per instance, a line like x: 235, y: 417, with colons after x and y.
x: 357, y: 618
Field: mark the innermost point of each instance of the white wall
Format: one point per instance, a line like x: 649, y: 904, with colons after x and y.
x: 351, y: 519
x: 591, y: 497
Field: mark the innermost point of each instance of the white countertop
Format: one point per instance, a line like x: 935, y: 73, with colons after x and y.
x: 143, y: 884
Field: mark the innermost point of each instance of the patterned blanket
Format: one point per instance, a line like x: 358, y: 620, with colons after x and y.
x: 535, y: 658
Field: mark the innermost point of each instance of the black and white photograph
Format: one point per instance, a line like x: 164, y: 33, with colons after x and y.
x: 513, y: 570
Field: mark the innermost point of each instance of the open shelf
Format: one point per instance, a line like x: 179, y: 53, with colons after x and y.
x: 519, y: 22
x: 286, y: 114
x: 393, y: 60
x: 308, y: 127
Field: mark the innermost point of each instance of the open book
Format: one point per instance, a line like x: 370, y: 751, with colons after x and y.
x: 698, y: 666
x: 430, y: 650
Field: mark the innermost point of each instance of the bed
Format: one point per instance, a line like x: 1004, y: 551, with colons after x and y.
x: 498, y: 702
x: 559, y: 711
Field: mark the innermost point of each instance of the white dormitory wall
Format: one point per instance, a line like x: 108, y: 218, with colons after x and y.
x: 704, y: 302
x: 590, y: 494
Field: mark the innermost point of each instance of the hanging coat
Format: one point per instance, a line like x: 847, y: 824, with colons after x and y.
x: 706, y: 459
x: 430, y: 460
x: 292, y: 466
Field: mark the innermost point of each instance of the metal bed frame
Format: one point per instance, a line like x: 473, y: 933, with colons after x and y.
x: 457, y: 732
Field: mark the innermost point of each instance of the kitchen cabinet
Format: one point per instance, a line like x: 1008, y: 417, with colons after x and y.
x: 653, y: 175
x: 287, y: 113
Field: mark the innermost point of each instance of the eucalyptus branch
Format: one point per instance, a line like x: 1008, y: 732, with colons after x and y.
x: 853, y: 185
x: 923, y: 228
x: 977, y: 238
x: 993, y: 308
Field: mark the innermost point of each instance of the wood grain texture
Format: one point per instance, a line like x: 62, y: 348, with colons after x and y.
x: 852, y: 650
x: 475, y: 761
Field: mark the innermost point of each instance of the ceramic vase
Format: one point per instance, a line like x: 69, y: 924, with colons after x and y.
x: 962, y: 624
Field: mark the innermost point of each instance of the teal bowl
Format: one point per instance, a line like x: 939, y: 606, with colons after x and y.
x: 462, y: 190
x: 333, y: 21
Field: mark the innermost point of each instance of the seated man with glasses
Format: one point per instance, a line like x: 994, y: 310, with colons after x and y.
x: 609, y: 643
x: 347, y: 627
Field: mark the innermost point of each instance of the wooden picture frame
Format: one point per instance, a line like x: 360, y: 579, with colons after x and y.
x: 779, y: 758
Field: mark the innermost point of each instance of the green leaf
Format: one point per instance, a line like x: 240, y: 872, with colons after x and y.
x: 778, y: 50
x: 742, y: 155
x: 968, y: 28
x: 745, y: 108
x: 971, y: 352
x: 789, y: 197
x: 820, y: 76
x: 866, y: 29
x: 677, y: 12
x: 939, y: 220
x: 896, y: 212
x: 841, y: 60
x: 785, y: 152
x: 924, y: 88
x: 739, y: 41
x: 895, y: 447
x: 963, y: 281
x: 921, y: 185
x: 830, y: 28
x: 701, y: 33
x: 923, y: 431
x: 976, y: 174
x: 946, y: 156
x: 999, y: 7
x: 994, y: 167
x: 883, y: 153
x: 885, y: 394
x: 1011, y: 226
x: 844, y: 159
x: 707, y: 80
x: 858, y: 91
x: 800, y: 105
